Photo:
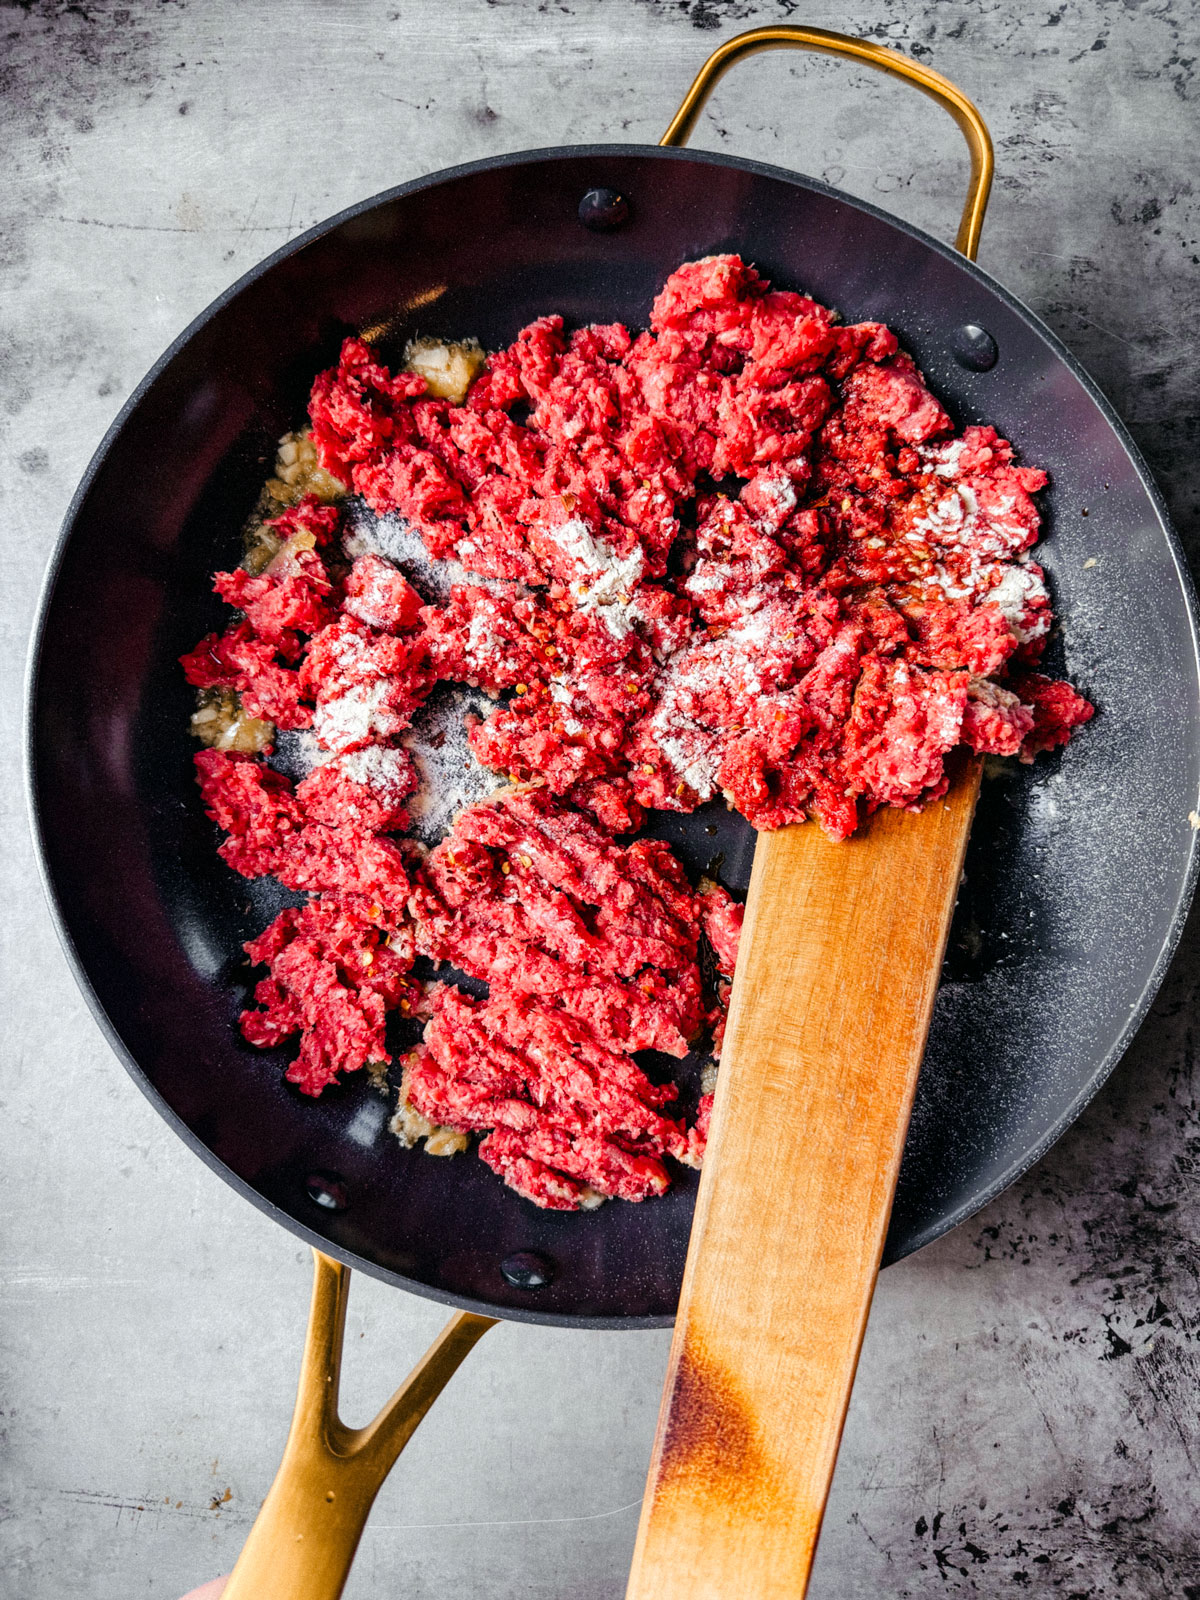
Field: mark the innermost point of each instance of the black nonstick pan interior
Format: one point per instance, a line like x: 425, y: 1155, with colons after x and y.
x: 1080, y: 868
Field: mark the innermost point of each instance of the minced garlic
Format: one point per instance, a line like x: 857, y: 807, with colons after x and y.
x: 409, y: 1125
x: 220, y: 723
x: 449, y: 370
x: 297, y: 473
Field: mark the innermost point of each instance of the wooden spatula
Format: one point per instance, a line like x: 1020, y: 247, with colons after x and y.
x: 836, y: 975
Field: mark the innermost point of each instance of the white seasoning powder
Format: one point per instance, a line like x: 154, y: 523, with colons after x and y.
x: 381, y: 768
x: 943, y: 458
x: 480, y: 636
x: 779, y: 489
x: 448, y: 775
x: 351, y: 718
x: 352, y: 651
x: 1017, y: 588
x: 297, y: 753
x: 397, y: 541
x: 374, y: 604
x: 709, y: 576
x: 748, y: 657
x: 609, y: 580
x: 692, y: 752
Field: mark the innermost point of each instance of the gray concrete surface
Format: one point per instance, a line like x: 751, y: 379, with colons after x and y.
x: 1025, y: 1413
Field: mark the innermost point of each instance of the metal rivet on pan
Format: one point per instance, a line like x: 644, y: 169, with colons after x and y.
x: 602, y: 210
x: 327, y: 1189
x: 974, y: 348
x: 525, y: 1269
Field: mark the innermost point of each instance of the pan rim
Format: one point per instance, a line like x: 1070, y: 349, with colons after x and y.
x: 1179, y: 913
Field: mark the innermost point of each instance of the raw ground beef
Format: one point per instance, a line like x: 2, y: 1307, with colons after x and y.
x: 744, y: 553
x: 534, y: 898
x: 524, y: 893
x: 566, y: 1118
x: 334, y: 977
x: 591, y: 953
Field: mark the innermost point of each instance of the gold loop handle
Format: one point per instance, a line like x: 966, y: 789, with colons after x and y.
x: 947, y: 95
x: 304, y: 1538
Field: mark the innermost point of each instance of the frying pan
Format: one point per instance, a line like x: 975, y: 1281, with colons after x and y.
x: 1080, y: 868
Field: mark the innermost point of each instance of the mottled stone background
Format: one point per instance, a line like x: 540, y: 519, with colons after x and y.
x: 1025, y: 1412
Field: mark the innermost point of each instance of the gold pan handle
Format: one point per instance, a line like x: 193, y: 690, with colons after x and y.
x: 305, y: 1535
x: 947, y: 95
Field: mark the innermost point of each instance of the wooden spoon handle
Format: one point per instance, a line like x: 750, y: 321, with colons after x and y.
x: 836, y: 976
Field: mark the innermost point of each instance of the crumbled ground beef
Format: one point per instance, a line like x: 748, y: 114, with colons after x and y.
x: 742, y: 553
x: 530, y: 896
x: 334, y: 977
x: 565, y: 1115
